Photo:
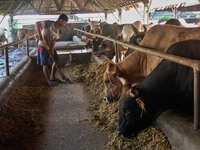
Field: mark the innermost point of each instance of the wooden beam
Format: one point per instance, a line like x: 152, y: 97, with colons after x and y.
x: 40, y: 5
x: 18, y: 7
x: 33, y: 7
x: 61, y: 4
x: 113, y: 4
x: 75, y: 4
x: 86, y: 4
x: 57, y: 4
x: 8, y: 10
x: 99, y: 4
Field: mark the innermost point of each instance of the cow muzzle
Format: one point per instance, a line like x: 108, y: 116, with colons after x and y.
x: 106, y: 99
x: 119, y: 133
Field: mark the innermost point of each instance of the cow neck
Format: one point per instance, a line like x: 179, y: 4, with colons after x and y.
x: 155, y: 89
x: 133, y: 64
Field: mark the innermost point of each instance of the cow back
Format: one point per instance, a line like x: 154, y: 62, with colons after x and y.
x: 24, y: 33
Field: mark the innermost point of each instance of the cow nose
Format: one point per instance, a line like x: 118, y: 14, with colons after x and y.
x: 106, y: 99
x: 119, y: 133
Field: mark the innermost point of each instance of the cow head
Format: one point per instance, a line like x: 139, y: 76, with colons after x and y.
x: 132, y: 112
x: 93, y: 25
x: 113, y: 86
x: 96, y: 43
x: 136, y: 40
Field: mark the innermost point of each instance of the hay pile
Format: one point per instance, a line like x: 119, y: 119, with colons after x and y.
x: 106, y: 115
x: 20, y: 116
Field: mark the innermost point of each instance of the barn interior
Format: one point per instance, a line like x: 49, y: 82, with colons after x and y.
x: 75, y: 116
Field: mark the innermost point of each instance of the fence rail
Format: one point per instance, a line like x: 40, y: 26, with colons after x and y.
x: 5, y: 48
x: 195, y: 64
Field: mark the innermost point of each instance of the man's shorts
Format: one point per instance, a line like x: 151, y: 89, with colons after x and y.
x: 43, y: 57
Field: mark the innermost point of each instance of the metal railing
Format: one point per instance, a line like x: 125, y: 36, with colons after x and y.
x: 195, y: 64
x: 5, y: 48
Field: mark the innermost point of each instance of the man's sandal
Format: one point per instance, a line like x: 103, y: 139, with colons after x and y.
x: 56, y: 80
x: 50, y: 84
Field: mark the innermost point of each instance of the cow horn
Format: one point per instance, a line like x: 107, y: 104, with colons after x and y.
x: 122, y: 80
x: 99, y: 21
x: 89, y: 19
x: 145, y: 28
x: 136, y: 32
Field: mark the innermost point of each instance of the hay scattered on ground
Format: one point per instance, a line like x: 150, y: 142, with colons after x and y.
x: 106, y: 115
x: 20, y: 116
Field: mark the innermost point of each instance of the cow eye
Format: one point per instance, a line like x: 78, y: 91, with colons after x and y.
x: 107, y: 82
x: 126, y: 112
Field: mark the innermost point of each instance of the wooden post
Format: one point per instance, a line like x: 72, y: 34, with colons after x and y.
x: 175, y: 12
x: 196, y: 100
x: 116, y: 53
x: 120, y: 16
x: 146, y: 13
x: 27, y: 47
x: 6, y: 61
x: 11, y: 25
x: 106, y: 16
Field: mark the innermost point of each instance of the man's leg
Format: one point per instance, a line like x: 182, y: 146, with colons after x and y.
x: 53, y: 72
x: 46, y: 74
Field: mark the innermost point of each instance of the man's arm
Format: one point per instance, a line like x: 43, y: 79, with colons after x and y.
x: 38, y: 26
x: 52, y: 47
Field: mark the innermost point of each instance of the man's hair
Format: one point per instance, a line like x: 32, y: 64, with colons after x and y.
x: 64, y: 17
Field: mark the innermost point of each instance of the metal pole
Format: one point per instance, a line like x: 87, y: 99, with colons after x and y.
x: 177, y: 59
x: 16, y: 42
x: 6, y: 61
x: 196, y: 100
x: 120, y: 16
x: 116, y: 53
x: 27, y: 47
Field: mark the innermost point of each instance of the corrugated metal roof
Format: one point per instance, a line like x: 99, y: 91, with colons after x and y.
x: 18, y: 7
x: 61, y: 6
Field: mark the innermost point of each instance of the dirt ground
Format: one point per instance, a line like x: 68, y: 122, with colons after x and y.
x: 38, y: 117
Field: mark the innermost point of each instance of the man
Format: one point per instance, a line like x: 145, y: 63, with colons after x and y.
x: 48, y: 32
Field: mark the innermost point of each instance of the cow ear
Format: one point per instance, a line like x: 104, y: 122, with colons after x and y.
x: 113, y: 79
x: 109, y: 66
x: 134, y: 92
x: 145, y: 28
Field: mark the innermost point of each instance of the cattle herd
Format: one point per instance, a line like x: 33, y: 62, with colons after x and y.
x: 146, y: 85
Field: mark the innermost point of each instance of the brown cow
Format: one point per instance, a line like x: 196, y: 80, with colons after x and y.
x: 138, y: 65
x: 174, y: 22
x: 24, y: 33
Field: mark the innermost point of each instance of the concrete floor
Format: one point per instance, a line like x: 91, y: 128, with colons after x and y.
x: 66, y: 121
x: 67, y: 125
